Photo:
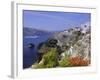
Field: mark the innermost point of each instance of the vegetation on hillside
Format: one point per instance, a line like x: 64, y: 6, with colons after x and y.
x: 66, y: 49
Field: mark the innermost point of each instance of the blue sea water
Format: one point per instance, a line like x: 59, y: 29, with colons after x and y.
x: 30, y: 54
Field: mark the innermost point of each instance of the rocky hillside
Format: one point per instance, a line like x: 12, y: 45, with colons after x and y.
x: 68, y: 48
x: 77, y: 40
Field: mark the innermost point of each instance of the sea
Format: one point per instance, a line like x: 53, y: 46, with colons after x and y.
x: 30, y: 55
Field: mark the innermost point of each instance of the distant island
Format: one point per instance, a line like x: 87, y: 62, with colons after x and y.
x: 32, y: 32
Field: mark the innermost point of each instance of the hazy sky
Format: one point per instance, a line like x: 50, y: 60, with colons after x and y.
x: 54, y: 21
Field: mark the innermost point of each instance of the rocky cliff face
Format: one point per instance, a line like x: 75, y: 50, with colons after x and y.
x: 67, y: 48
x: 78, y: 40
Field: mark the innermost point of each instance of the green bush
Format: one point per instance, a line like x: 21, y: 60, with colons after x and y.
x: 51, y: 43
x: 64, y: 62
x: 50, y: 59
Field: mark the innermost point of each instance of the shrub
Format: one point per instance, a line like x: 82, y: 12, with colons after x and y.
x: 59, y: 50
x: 50, y: 59
x: 78, y: 61
x: 51, y: 43
x: 84, y: 62
x: 64, y: 63
x: 75, y: 61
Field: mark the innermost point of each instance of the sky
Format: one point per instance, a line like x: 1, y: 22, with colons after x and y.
x: 54, y: 21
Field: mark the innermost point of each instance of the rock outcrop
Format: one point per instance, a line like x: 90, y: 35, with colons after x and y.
x: 78, y: 39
